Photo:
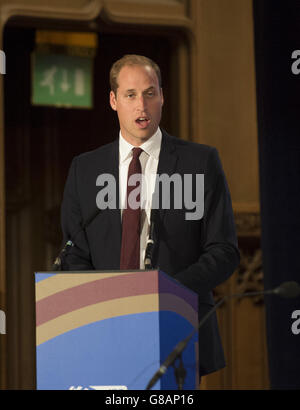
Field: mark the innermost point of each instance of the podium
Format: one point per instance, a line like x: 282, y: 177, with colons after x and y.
x: 112, y: 330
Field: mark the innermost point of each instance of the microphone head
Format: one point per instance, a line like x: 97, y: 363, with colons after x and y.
x: 288, y: 290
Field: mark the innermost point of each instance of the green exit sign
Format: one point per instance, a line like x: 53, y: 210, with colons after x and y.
x: 62, y: 80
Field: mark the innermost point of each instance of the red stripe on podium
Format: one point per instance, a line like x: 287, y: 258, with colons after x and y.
x: 94, y: 292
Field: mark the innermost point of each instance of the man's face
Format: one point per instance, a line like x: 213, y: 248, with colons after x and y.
x: 138, y: 103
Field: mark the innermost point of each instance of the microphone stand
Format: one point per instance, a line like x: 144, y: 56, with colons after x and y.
x: 286, y: 290
x: 150, y: 243
x: 180, y: 373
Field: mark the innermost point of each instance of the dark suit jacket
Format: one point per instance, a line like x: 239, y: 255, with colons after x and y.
x: 200, y: 254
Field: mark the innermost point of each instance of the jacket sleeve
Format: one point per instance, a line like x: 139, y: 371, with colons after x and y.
x: 218, y: 250
x: 77, y: 257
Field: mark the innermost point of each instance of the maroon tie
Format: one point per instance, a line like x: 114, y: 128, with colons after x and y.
x: 130, y: 249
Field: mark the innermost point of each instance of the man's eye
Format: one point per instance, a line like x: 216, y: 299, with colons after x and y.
x: 150, y: 93
x: 130, y: 95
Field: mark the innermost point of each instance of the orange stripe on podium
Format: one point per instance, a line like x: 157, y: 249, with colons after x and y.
x: 95, y: 313
x: 110, y: 309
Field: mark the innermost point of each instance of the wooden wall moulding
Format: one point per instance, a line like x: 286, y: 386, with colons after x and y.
x: 247, y: 224
x: 157, y: 12
x: 247, y: 219
x: 57, y: 9
x: 250, y: 274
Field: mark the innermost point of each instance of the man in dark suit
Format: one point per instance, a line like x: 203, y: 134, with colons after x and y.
x: 199, y: 253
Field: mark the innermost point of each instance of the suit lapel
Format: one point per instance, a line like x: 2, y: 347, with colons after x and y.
x: 166, y: 165
x: 168, y: 156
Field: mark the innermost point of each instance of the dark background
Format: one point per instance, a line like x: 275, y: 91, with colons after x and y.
x: 277, y: 35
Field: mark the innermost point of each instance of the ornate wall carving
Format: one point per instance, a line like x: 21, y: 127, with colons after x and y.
x: 248, y: 224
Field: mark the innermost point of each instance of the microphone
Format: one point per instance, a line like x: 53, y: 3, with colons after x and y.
x: 285, y: 290
x: 57, y: 263
x: 288, y: 290
x: 150, y: 241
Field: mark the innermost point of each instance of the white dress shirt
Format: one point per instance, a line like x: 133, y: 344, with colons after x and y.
x: 149, y: 163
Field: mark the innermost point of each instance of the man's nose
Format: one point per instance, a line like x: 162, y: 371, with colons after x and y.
x: 141, y: 103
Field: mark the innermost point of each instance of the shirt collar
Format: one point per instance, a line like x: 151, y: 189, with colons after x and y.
x: 151, y: 146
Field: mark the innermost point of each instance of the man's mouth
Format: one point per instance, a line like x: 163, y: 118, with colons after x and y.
x: 142, y: 122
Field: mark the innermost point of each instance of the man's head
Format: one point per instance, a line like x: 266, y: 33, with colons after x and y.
x: 136, y: 95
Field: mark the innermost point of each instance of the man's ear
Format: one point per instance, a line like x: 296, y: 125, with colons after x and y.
x: 113, y: 100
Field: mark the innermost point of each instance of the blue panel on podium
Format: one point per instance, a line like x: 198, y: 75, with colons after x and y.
x: 112, y: 330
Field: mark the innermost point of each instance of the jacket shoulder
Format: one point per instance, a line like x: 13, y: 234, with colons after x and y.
x: 95, y: 154
x: 193, y: 148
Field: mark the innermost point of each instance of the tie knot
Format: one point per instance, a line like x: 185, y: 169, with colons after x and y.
x: 136, y: 152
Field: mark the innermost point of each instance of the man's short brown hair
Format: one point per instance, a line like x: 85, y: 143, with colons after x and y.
x: 131, y: 60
